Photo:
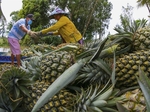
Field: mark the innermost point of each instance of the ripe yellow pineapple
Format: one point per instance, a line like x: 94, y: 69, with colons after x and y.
x: 134, y: 101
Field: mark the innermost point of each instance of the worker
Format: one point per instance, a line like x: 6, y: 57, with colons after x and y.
x: 17, y: 32
x: 63, y: 27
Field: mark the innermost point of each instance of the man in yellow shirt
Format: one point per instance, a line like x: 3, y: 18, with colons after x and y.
x: 63, y: 27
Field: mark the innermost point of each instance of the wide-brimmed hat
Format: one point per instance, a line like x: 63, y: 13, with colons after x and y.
x: 57, y: 11
x: 31, y: 16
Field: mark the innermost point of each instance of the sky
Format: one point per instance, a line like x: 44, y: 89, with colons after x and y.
x: 9, y: 6
x: 138, y: 13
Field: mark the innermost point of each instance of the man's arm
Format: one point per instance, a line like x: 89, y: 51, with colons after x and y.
x: 29, y: 32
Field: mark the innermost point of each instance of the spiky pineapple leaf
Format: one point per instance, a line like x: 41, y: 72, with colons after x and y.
x: 121, y: 108
x: 7, y: 103
x: 144, y: 83
x: 26, y: 82
x: 24, y: 90
x: 113, y: 79
x: 16, y: 92
x: 108, y: 109
x: 15, y: 81
x: 101, y: 46
x: 103, y: 65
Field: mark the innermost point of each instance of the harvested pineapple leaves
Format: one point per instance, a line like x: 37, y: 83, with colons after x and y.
x: 14, y: 85
x: 15, y: 82
x: 98, y: 71
x: 7, y: 104
x: 144, y: 83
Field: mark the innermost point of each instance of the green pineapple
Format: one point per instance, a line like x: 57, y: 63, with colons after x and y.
x: 55, y: 104
x: 51, y: 67
x: 142, y: 39
x: 131, y: 37
x: 127, y: 68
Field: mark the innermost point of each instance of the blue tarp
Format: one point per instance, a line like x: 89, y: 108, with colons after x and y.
x: 7, y: 59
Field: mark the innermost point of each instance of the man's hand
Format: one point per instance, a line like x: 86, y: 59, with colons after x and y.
x: 32, y: 34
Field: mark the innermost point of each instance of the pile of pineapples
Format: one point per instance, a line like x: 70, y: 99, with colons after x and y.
x: 99, y: 76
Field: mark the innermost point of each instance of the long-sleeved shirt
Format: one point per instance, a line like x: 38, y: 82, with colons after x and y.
x: 64, y: 27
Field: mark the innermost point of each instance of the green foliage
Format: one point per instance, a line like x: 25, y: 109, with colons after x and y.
x: 27, y: 40
x: 89, y: 17
x: 53, y: 40
x: 3, y: 42
x: 144, y: 83
x: 143, y: 3
x: 15, y: 17
x: 37, y: 7
x: 80, y: 14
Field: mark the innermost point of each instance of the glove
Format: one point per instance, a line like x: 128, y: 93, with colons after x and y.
x: 39, y: 33
x: 42, y: 35
x: 32, y: 34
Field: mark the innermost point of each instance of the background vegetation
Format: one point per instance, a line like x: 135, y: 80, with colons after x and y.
x: 90, y: 17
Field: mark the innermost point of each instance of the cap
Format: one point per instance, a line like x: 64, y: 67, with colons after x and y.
x: 57, y: 11
x: 31, y: 16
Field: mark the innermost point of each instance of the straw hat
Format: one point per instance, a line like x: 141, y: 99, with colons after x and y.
x: 57, y: 11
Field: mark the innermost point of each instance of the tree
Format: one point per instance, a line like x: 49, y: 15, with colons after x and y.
x: 14, y: 17
x: 126, y: 17
x: 40, y: 10
x: 128, y: 25
x: 142, y: 3
x: 90, y: 17
x: 3, y: 21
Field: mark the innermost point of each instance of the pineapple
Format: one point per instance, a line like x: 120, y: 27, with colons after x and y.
x: 142, y: 39
x: 51, y: 67
x: 96, y: 99
x: 131, y: 37
x: 127, y: 68
x: 55, y: 104
x: 134, y: 101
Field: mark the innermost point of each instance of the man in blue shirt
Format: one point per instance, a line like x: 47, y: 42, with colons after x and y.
x: 17, y: 32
